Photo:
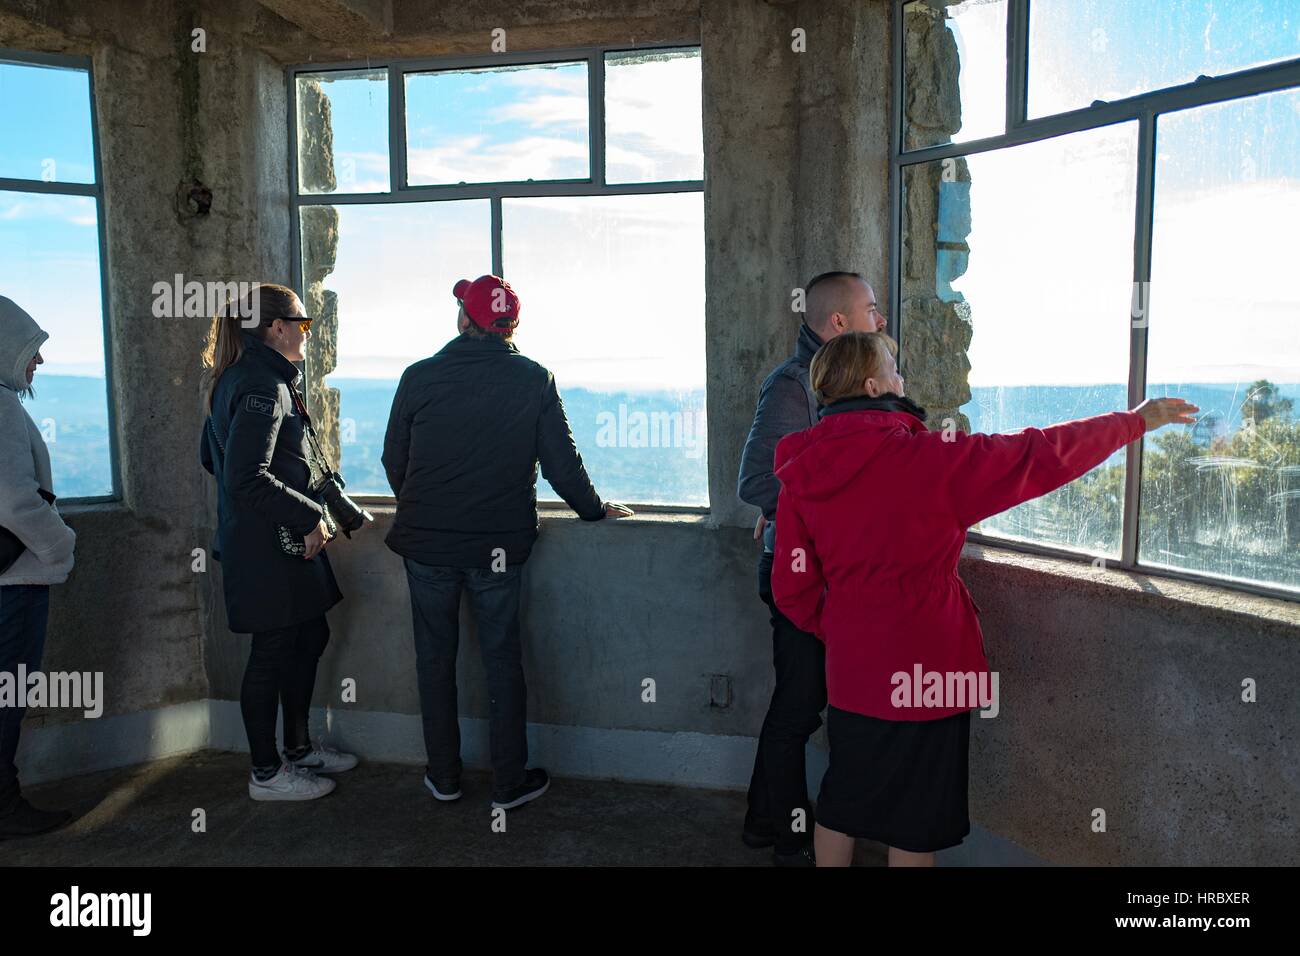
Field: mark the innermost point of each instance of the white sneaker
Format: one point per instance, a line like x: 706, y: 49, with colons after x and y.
x: 322, y: 760
x: 290, y: 783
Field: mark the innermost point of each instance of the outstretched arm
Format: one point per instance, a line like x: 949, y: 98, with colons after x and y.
x: 561, y: 463
x: 995, y: 472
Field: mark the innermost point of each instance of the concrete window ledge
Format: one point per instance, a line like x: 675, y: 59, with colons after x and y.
x: 699, y: 518
x: 71, y: 509
x: 548, y: 513
x: 1114, y: 584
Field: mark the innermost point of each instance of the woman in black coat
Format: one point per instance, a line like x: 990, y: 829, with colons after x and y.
x: 258, y: 445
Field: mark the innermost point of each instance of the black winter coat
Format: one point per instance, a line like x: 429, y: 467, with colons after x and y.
x: 468, y: 428
x: 263, y: 481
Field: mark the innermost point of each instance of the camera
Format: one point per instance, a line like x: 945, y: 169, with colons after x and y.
x: 347, y: 514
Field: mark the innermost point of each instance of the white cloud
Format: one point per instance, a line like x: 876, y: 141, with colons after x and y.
x: 471, y: 158
x: 75, y: 210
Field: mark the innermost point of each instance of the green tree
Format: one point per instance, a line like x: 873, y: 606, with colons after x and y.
x: 1263, y: 402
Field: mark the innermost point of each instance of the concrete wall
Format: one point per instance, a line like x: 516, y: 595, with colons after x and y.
x: 1124, y: 692
x: 134, y: 608
x: 1115, y: 695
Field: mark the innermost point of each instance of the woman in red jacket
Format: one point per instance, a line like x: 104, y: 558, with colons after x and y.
x: 871, y: 519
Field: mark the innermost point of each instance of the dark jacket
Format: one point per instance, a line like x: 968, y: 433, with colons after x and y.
x: 263, y: 481
x: 785, y: 404
x: 465, y: 435
x: 873, y: 515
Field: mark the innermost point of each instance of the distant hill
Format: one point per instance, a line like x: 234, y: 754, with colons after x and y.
x: 615, y: 431
x: 72, y: 413
x: 620, y: 457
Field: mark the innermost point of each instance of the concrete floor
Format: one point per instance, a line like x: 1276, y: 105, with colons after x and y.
x: 379, y: 815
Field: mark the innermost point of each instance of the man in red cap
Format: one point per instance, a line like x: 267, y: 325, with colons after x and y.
x: 467, y: 431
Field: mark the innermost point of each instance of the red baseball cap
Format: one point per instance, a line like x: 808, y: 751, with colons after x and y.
x: 489, y: 302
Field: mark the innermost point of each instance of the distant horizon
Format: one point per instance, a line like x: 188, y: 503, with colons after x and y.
x: 335, y: 380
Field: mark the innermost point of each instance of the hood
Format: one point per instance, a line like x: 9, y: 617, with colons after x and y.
x: 820, y: 461
x: 20, y: 339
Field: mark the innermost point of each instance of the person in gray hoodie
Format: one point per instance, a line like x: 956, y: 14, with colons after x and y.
x: 27, y: 512
x: 780, y: 814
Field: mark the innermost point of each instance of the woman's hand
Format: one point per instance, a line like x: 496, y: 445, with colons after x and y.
x: 315, y: 541
x: 1159, y: 412
x: 615, y: 510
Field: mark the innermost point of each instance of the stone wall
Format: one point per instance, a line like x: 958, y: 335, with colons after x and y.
x: 319, y: 227
x: 936, y: 323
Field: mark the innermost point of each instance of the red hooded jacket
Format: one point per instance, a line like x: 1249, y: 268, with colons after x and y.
x: 879, y: 507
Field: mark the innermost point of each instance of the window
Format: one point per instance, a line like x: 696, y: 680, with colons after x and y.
x: 1081, y: 51
x: 1119, y: 231
x: 578, y: 177
x: 51, y: 255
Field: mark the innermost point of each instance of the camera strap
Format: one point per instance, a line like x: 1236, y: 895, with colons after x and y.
x: 323, y: 462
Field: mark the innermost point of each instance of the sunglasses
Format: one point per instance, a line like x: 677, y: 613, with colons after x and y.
x: 304, y: 323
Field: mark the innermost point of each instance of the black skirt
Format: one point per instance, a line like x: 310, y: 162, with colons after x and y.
x: 900, y: 782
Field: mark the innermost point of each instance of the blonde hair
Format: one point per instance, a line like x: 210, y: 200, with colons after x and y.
x: 841, y: 365
x: 225, y: 344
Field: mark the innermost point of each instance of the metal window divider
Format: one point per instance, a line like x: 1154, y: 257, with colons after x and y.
x: 1145, y: 108
x: 401, y: 191
x: 93, y: 190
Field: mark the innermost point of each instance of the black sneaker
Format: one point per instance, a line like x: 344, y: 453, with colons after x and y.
x: 25, y: 820
x: 536, y: 782
x: 803, y: 856
x: 445, y: 790
x: 756, y: 837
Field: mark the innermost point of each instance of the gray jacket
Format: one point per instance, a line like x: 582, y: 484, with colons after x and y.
x: 785, y: 404
x: 25, y: 463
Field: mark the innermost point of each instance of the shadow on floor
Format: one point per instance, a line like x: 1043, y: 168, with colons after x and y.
x: 379, y: 815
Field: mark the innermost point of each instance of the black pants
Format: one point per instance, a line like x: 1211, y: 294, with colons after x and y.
x: 779, y: 785
x: 435, y: 610
x: 24, y: 612
x: 281, y: 670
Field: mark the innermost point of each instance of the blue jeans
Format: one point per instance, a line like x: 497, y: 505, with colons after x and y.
x: 24, y: 612
x: 435, y: 612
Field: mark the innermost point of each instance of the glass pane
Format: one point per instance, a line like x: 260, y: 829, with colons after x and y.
x: 1018, y: 267
x: 613, y: 304
x: 653, y: 117
x: 343, y: 132
x: 380, y: 278
x: 954, y: 71
x: 49, y: 265
x: 45, y: 129
x: 1223, y: 497
x: 498, y: 124
x: 1086, y: 50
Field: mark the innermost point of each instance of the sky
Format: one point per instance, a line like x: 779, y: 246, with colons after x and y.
x: 49, y: 245
x: 1051, y: 233
x: 582, y: 265
x: 1049, y: 279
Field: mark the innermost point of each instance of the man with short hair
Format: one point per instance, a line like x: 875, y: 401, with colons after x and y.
x: 835, y: 302
x: 467, y: 431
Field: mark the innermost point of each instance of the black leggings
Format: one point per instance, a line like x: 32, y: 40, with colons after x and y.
x: 281, y: 668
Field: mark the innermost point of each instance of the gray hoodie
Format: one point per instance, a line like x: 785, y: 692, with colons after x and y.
x: 25, y: 463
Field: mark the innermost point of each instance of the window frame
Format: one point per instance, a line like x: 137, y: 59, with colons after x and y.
x: 400, y: 191
x: 94, y: 190
x: 1020, y: 130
